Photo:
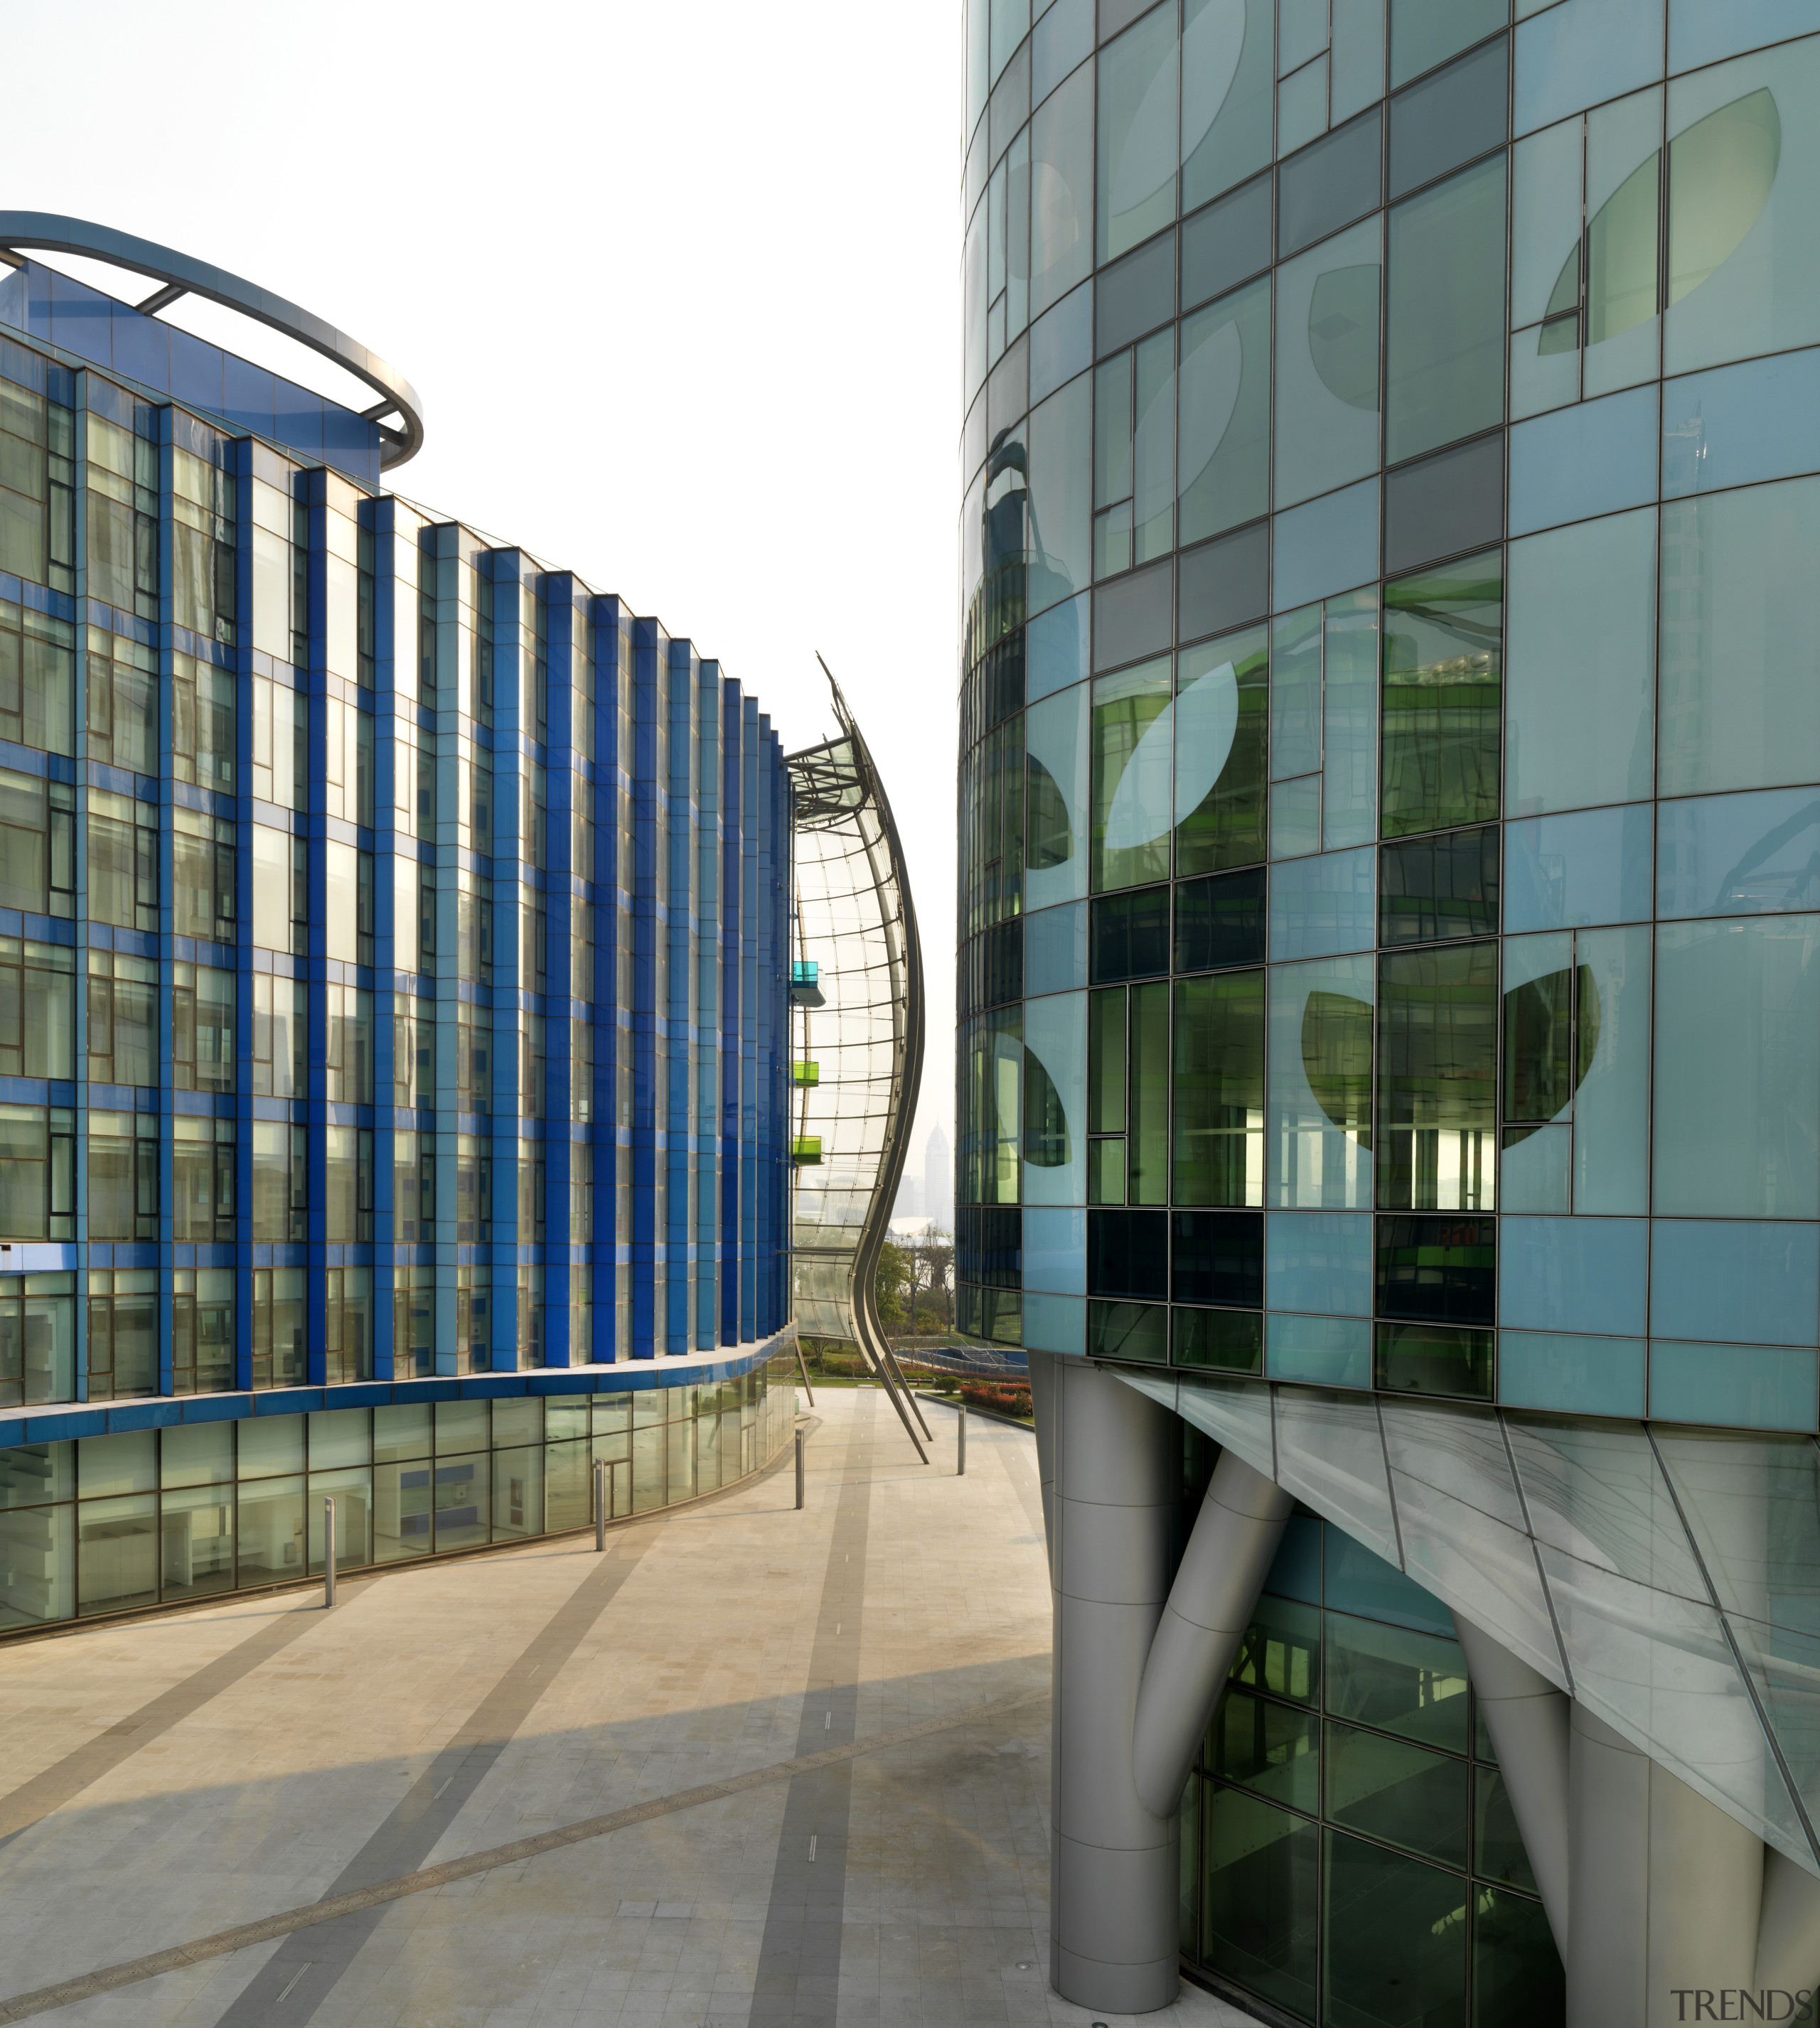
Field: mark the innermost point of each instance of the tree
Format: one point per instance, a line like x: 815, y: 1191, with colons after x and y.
x: 931, y: 1259
x: 893, y: 1284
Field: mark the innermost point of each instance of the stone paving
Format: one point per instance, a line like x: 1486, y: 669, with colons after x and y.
x: 163, y: 1781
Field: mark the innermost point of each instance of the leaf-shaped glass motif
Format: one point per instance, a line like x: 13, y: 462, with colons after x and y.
x: 1720, y: 172
x: 1719, y: 175
x: 1543, y: 1066
x: 1343, y: 333
x: 1045, y: 1123
x: 1336, y: 1059
x: 1048, y: 836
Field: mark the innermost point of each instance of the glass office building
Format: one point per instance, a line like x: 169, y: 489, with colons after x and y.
x: 394, y: 1024
x: 1389, y: 1014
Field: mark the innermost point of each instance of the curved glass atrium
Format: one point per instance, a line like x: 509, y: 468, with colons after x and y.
x: 1390, y: 1015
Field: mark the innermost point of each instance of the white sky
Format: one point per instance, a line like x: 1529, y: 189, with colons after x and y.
x: 678, y: 285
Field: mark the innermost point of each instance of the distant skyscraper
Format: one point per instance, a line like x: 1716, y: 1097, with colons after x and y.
x: 939, y: 1179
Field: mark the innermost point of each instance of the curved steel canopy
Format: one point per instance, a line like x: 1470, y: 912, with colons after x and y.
x: 51, y: 232
x: 836, y: 789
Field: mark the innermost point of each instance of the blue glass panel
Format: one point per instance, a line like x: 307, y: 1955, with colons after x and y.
x: 1573, y: 1275
x: 1756, y: 1386
x: 142, y: 349
x: 195, y: 371
x: 298, y: 418
x: 1737, y: 1280
x: 81, y: 320
x: 1055, y: 647
x: 248, y: 394
x: 1055, y: 1250
x: 1324, y: 905
x: 1328, y: 544
x: 1582, y: 1376
x: 1318, y: 1260
x: 1054, y: 1323
x: 1573, y: 56
x: 1594, y: 458
x: 1324, y: 1352
x: 1737, y: 425
x: 1360, y: 1581
x: 1061, y: 342
x: 1296, y: 1571
x: 1700, y: 31
x: 1569, y: 872
x: 1749, y: 855
x: 347, y: 440
x: 1055, y: 949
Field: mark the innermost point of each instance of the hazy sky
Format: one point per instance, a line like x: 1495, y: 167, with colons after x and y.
x: 678, y: 286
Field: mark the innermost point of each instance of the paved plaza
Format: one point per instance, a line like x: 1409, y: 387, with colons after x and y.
x: 750, y: 1767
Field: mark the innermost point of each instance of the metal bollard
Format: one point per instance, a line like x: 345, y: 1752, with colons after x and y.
x: 328, y: 1554
x: 799, y: 1488
x: 599, y: 1504
x: 961, y: 1447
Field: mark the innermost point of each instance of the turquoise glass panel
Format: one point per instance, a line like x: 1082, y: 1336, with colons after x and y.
x: 1580, y: 666
x: 1318, y: 1137
x: 1327, y: 366
x: 1584, y: 51
x: 1324, y: 905
x: 1055, y: 645
x: 1751, y: 1386
x: 1318, y: 1260
x: 1359, y: 1581
x: 1741, y: 652
x: 1611, y: 1107
x: 1054, y: 1323
x: 1749, y: 855
x: 1320, y: 1351
x: 1572, y: 871
x: 1535, y: 1171
x: 1055, y: 949
x: 1737, y: 1077
x: 1742, y: 1280
x: 1330, y: 544
x: 1573, y: 1275
x: 1702, y: 32
x: 1055, y: 1250
x: 1737, y: 425
x: 1577, y: 1375
x: 1595, y: 458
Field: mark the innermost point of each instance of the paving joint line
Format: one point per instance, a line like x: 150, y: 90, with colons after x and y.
x: 111, y: 1978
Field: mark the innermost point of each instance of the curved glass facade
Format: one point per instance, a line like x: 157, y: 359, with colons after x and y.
x: 857, y: 991
x: 1388, y: 751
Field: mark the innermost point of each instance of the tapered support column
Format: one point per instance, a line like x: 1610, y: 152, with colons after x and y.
x: 1042, y: 1414
x: 1210, y: 1604
x: 1113, y: 1915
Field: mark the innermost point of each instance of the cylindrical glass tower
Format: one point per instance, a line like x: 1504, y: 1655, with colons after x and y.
x: 1388, y: 974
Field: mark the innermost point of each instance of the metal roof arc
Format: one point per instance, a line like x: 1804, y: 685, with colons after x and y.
x: 53, y: 232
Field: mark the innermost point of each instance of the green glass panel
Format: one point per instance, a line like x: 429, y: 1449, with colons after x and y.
x: 1148, y: 1142
x: 1137, y: 162
x: 1227, y: 98
x: 1498, y: 1852
x: 1398, y: 1680
x: 1436, y: 1359
x: 1395, y: 1934
x: 1260, y: 1912
x: 1442, y: 678
x: 1270, y: 1747
x: 1131, y: 778
x: 1388, y: 1788
x: 1222, y: 709
x: 1282, y: 1650
x: 1349, y: 775
x: 1443, y: 349
x: 1105, y: 1062
x: 1424, y: 33
x: 1437, y: 1050
x: 1223, y: 426
x: 1230, y: 1341
x: 1137, y: 1331
x: 1219, y: 1125
x: 1295, y: 693
x: 1517, y: 1980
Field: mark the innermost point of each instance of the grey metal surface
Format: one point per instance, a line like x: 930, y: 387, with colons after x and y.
x: 1222, y: 1571
x: 181, y: 273
x: 1114, y: 1863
